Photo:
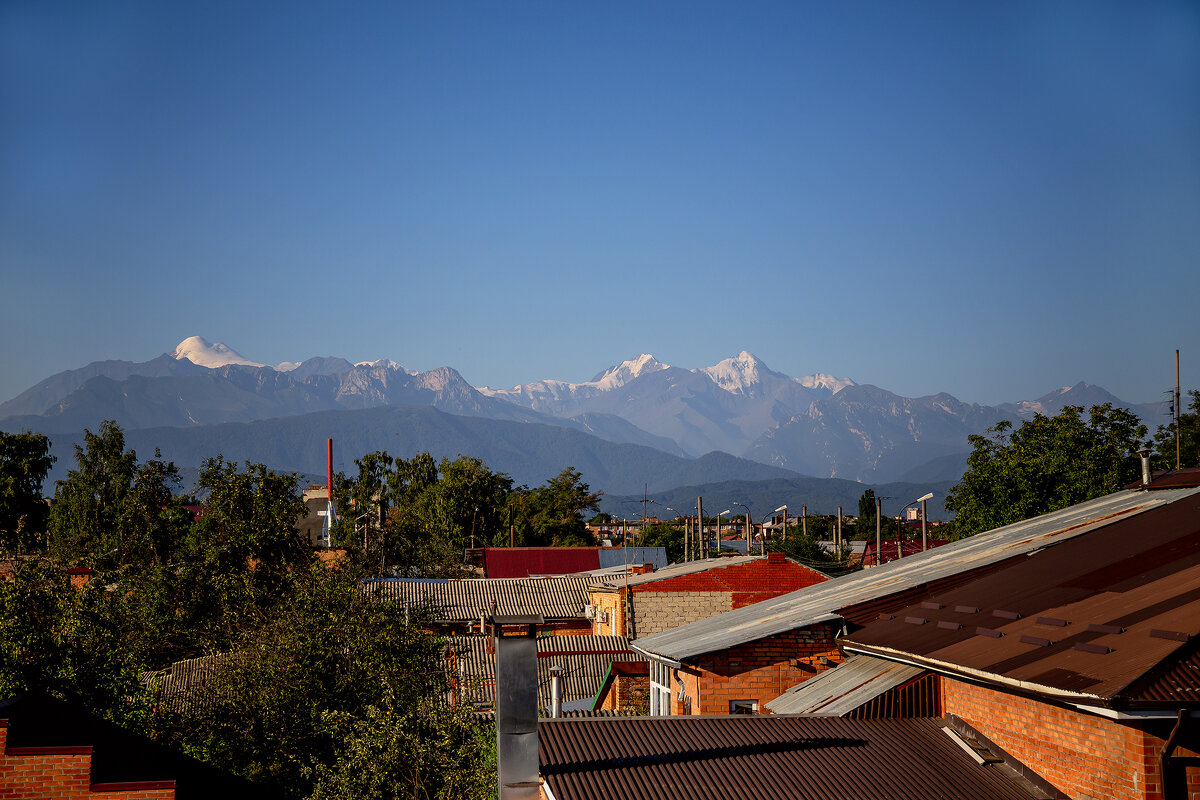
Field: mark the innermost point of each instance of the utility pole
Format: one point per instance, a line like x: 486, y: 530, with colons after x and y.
x: 700, y: 523
x: 804, y: 521
x: 1177, y: 408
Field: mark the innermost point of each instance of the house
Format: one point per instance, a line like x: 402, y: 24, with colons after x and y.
x: 1082, y: 659
x: 652, y: 602
x: 747, y: 657
x: 782, y: 758
x: 457, y: 605
x: 52, y: 749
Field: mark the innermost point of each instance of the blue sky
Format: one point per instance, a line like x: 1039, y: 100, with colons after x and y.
x: 992, y: 200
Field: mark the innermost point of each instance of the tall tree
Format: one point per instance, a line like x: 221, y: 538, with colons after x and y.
x: 24, y: 461
x: 88, y: 502
x: 552, y: 515
x: 1046, y: 464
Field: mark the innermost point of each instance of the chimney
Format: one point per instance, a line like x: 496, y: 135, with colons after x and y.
x: 1145, y: 454
x: 517, y: 705
x: 642, y: 569
x: 556, y: 675
x: 775, y: 558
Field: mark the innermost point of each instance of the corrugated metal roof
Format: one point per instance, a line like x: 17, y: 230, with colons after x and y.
x: 838, y: 691
x: 820, y: 603
x: 584, y: 659
x: 1089, y: 621
x: 756, y: 757
x: 675, y: 570
x: 464, y: 599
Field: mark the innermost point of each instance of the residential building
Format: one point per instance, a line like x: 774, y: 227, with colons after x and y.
x: 747, y: 657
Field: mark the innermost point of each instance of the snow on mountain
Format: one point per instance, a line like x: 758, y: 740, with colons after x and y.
x: 386, y: 363
x: 204, y: 353
x: 737, y: 374
x: 287, y: 366
x: 623, y: 373
x: 819, y: 380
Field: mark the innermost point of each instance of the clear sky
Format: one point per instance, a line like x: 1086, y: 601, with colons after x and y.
x: 989, y: 199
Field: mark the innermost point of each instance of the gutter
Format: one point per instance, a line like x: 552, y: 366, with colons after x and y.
x: 1078, y: 700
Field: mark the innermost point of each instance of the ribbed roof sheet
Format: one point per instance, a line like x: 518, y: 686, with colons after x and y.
x: 820, y: 603
x: 463, y: 600
x: 675, y: 570
x: 1089, y: 621
x: 754, y: 757
x: 838, y: 691
x: 585, y: 661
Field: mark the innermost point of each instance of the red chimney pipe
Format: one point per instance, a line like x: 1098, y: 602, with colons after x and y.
x: 329, y: 459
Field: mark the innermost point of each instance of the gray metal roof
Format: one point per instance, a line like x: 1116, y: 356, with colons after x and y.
x: 620, y: 556
x: 838, y: 691
x: 463, y: 600
x: 820, y: 603
x: 675, y: 570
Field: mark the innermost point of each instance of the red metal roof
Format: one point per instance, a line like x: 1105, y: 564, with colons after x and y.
x: 1109, y: 618
x: 757, y: 757
x: 521, y: 562
x: 892, y: 549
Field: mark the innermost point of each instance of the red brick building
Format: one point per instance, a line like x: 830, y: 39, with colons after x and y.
x: 743, y: 659
x: 652, y: 602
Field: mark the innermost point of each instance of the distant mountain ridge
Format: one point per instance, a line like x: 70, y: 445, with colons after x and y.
x: 818, y: 425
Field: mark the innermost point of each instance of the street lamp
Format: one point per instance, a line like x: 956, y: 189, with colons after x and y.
x: 718, y: 541
x: 924, y: 537
x: 749, y: 527
x: 783, y: 508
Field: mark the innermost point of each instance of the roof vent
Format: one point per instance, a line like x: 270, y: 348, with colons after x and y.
x: 1145, y: 454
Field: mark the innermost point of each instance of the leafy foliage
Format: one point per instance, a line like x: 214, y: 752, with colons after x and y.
x: 1047, y: 464
x: 24, y: 461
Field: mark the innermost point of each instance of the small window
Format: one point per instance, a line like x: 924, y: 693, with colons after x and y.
x: 743, y: 706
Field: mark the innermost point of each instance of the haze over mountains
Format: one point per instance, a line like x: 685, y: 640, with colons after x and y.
x: 819, y: 425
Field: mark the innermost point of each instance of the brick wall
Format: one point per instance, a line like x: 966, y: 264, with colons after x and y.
x: 64, y: 773
x: 668, y: 603
x: 628, y: 693
x: 760, y: 671
x: 657, y: 611
x: 1083, y: 755
x: 614, y: 620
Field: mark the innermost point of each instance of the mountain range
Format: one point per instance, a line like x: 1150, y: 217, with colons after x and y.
x: 749, y: 415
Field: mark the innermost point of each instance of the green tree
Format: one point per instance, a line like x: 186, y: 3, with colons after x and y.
x: 324, y: 663
x: 88, y: 502
x: 1047, y: 464
x: 552, y: 515
x: 666, y: 535
x: 24, y: 461
x: 1189, y: 438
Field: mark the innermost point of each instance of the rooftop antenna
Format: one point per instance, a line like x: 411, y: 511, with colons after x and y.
x: 1176, y: 408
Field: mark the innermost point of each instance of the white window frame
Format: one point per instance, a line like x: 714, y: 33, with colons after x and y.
x: 660, y: 689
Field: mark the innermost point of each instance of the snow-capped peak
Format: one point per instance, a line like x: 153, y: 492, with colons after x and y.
x: 386, y: 363
x: 738, y: 373
x: 626, y: 371
x: 819, y: 380
x: 204, y: 353
x: 286, y: 366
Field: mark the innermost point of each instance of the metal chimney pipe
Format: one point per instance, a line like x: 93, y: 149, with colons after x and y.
x: 516, y: 705
x: 556, y: 675
x: 1145, y: 454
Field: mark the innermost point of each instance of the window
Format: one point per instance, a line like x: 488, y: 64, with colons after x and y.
x: 743, y: 706
x: 660, y: 689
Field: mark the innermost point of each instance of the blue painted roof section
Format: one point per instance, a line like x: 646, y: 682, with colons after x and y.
x: 617, y: 556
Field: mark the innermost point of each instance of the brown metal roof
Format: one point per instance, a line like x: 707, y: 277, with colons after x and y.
x: 757, y: 757
x: 1171, y: 479
x: 1103, y: 619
